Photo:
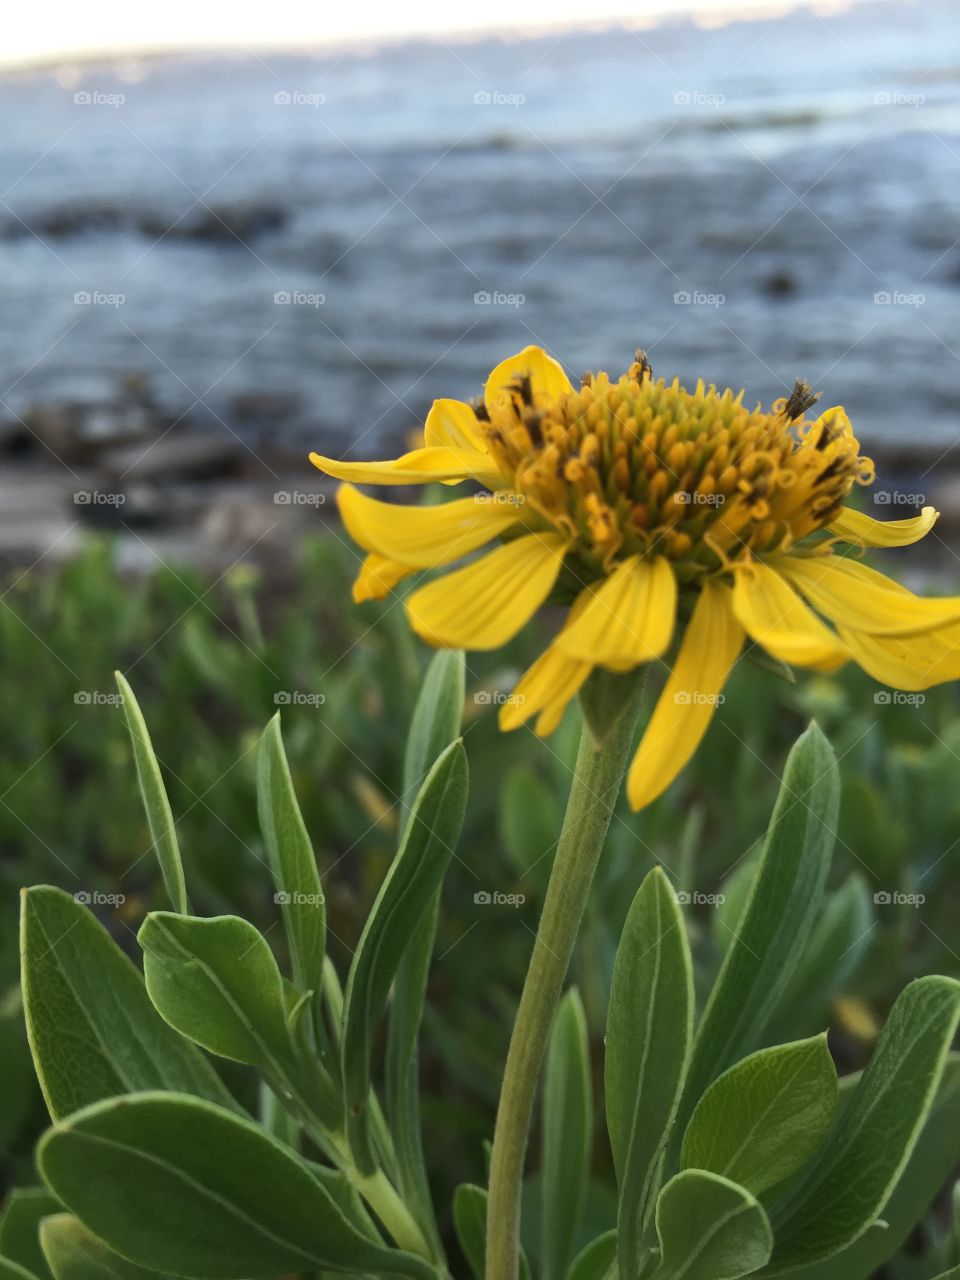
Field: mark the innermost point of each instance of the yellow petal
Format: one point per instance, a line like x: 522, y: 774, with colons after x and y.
x: 377, y: 578
x: 863, y: 531
x: 710, y: 646
x: 544, y: 690
x: 629, y: 618
x: 419, y: 466
x: 855, y: 596
x: 485, y: 604
x: 772, y: 613
x: 547, y: 378
x: 424, y: 537
x: 452, y: 424
x: 908, y: 662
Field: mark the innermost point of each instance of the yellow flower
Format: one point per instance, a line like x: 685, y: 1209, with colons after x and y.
x: 640, y: 503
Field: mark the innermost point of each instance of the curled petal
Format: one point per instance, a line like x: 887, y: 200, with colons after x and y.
x: 419, y: 466
x: 863, y: 531
x: 423, y: 537
x: 908, y: 662
x: 377, y: 578
x: 773, y: 615
x: 855, y: 596
x: 547, y: 378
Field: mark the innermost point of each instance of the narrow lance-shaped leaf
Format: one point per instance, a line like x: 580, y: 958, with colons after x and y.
x: 405, y: 896
x: 764, y: 1118
x: 933, y: 1159
x: 649, y: 1030
x: 567, y: 1135
x: 74, y: 1253
x: 852, y: 1178
x: 779, y: 915
x: 178, y: 1185
x: 163, y: 832
x: 470, y: 1224
x: 435, y: 725
x: 597, y: 1261
x: 292, y: 861
x: 710, y: 1229
x: 92, y: 1028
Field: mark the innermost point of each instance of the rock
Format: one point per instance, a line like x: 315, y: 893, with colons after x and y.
x: 178, y: 455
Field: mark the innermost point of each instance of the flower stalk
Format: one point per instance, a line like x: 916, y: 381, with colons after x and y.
x: 605, y: 746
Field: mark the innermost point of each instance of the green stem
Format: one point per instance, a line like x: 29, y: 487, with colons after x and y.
x: 383, y: 1198
x: 596, y: 783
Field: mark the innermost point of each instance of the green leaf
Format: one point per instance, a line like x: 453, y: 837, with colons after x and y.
x: 649, y: 1029
x: 292, y: 861
x: 597, y: 1261
x: 765, y: 1117
x: 74, y: 1253
x: 19, y: 1226
x: 952, y: 1274
x: 834, y: 950
x: 710, y: 1229
x: 92, y: 1028
x: 434, y: 726
x: 849, y: 1184
x: 163, y: 831
x: 780, y: 913
x: 529, y: 820
x: 930, y: 1165
x: 470, y: 1225
x: 567, y: 1135
x: 175, y: 1184
x: 404, y: 899
x: 216, y: 981
x: 13, y: 1271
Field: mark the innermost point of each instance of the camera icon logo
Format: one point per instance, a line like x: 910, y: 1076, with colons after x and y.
x: 682, y: 897
x: 483, y: 98
x: 282, y: 698
x: 83, y: 897
x: 482, y: 898
x: 682, y: 298
x: 282, y: 899
x: 882, y: 898
x: 682, y: 698
x: 283, y: 98
x: 282, y: 498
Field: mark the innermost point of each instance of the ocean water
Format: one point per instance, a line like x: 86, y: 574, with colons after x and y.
x: 310, y: 248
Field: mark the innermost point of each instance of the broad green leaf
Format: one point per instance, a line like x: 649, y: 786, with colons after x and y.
x: 434, y: 726
x: 93, y: 1030
x: 779, y: 915
x: 216, y: 981
x: 176, y: 1184
x: 163, y: 831
x: 597, y: 1261
x: 20, y: 1220
x: 649, y: 1029
x: 470, y: 1225
x: 710, y: 1229
x: 74, y: 1253
x: 929, y: 1167
x: 405, y: 897
x: 849, y: 1183
x: 292, y: 861
x: 952, y: 1274
x: 765, y: 1117
x: 567, y: 1135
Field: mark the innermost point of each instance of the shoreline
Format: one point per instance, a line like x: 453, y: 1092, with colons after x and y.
x: 177, y: 494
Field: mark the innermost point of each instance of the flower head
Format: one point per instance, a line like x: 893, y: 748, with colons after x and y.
x: 641, y: 504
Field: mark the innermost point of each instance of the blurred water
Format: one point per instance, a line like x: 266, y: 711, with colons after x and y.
x: 780, y: 175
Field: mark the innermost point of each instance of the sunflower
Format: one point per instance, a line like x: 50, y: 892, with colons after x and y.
x: 664, y: 518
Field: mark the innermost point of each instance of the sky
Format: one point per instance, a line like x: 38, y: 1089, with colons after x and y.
x: 65, y: 30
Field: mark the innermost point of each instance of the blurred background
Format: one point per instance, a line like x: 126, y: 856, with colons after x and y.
x: 225, y: 240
